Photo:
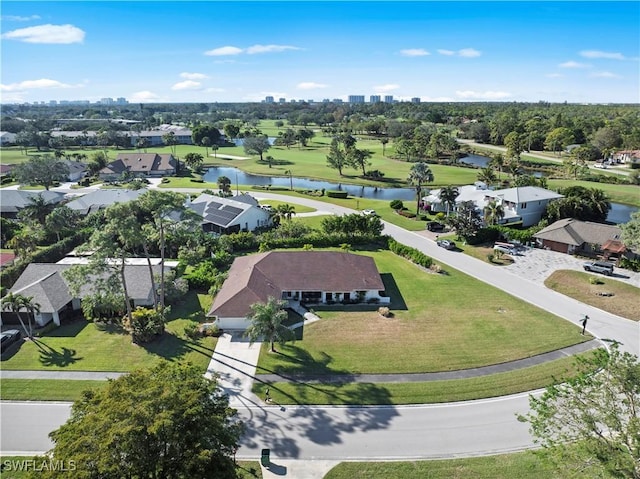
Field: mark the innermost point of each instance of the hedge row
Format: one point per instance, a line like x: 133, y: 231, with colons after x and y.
x: 50, y: 254
x: 317, y: 240
x: 337, y: 194
x: 412, y: 254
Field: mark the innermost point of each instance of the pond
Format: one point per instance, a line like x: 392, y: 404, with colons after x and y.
x: 619, y: 213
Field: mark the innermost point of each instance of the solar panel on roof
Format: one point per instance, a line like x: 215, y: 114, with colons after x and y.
x: 233, y: 209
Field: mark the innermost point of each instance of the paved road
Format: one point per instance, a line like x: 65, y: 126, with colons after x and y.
x: 433, y: 431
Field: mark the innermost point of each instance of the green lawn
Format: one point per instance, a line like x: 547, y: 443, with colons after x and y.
x: 81, y: 346
x: 521, y: 465
x: 45, y: 389
x: 298, y: 208
x: 501, y: 384
x: 626, y: 194
x: 441, y: 322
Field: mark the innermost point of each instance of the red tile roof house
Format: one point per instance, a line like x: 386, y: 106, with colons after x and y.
x: 315, y: 277
x: 139, y: 165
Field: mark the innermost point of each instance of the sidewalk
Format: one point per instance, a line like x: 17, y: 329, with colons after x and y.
x: 439, y: 376
x: 298, y: 469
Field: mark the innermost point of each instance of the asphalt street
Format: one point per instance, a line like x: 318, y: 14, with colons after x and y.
x: 405, y: 432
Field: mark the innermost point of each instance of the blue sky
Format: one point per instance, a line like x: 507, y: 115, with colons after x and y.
x: 160, y: 51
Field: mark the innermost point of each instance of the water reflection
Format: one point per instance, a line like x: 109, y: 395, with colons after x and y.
x: 619, y: 213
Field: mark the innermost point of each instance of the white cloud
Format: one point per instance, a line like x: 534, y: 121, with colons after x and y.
x: 187, y: 85
x: 554, y: 75
x: 386, y: 88
x: 47, y: 34
x: 604, y: 75
x: 414, y: 52
x: 309, y: 85
x: 143, y: 96
x: 599, y: 54
x: 572, y: 64
x: 269, y: 48
x: 36, y: 84
x: 469, y: 53
x: 483, y: 95
x: 193, y: 76
x: 252, y: 50
x: 464, y: 52
x: 228, y: 50
x: 17, y: 18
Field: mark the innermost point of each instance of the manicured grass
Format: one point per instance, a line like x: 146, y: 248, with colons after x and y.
x: 576, y: 284
x: 481, y: 252
x: 314, y: 222
x: 298, y: 208
x: 81, y: 346
x: 501, y: 384
x: 521, y: 465
x: 441, y: 322
x: 626, y: 194
x: 45, y: 389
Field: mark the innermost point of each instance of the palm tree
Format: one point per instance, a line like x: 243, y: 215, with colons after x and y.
x: 384, y: 142
x: 17, y: 302
x: 493, y: 212
x: 206, y: 142
x: 266, y: 322
x: 419, y: 174
x: 224, y: 185
x: 448, y: 196
x: 37, y: 210
x: 498, y: 162
x: 285, y: 211
x: 487, y: 175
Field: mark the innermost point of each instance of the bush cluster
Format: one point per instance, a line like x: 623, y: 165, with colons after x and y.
x: 145, y: 325
x: 337, y: 194
x: 631, y: 264
x: 412, y: 254
x: 396, y: 204
x: 406, y: 214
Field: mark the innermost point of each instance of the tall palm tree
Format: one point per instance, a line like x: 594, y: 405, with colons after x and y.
x: 206, y: 142
x: 266, y: 322
x: 493, y: 212
x: 448, y: 196
x: 224, y: 185
x: 16, y: 303
x: 37, y: 210
x: 285, y: 211
x: 419, y: 174
x: 487, y: 175
x: 497, y: 161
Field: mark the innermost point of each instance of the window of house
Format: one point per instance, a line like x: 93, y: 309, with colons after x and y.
x: 523, y: 206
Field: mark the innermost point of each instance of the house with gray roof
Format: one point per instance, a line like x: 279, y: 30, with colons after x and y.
x: 12, y: 201
x: 522, y: 205
x: 101, y: 199
x: 573, y: 236
x: 229, y: 215
x: 51, y: 290
x: 139, y: 165
x: 303, y: 276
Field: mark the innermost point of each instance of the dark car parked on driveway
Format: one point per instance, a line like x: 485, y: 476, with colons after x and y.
x: 435, y: 226
x: 8, y: 339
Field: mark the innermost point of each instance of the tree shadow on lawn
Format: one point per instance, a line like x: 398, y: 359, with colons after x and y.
x: 51, y: 357
x: 173, y: 348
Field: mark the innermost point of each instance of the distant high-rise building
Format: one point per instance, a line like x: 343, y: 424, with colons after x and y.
x: 374, y: 99
x: 121, y: 101
x: 337, y: 100
x: 268, y: 99
x: 106, y: 101
x: 282, y: 100
x: 388, y: 98
x: 415, y: 99
x: 356, y: 98
x: 53, y: 102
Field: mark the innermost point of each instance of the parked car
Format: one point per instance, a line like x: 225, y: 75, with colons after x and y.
x: 446, y: 244
x: 601, y: 267
x: 435, y: 226
x: 369, y: 212
x: 8, y: 339
x: 508, y: 249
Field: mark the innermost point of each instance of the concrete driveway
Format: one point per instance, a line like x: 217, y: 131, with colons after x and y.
x: 537, y: 265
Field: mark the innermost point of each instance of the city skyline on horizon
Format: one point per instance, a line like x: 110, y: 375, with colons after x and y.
x: 575, y: 52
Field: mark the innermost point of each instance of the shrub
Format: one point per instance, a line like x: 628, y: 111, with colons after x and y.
x: 406, y: 214
x: 631, y: 264
x: 307, y: 247
x: 412, y: 254
x: 490, y: 257
x: 337, y: 194
x: 384, y: 311
x: 145, y: 325
x: 396, y: 205
x: 595, y: 280
x: 192, y: 331
x: 440, y: 216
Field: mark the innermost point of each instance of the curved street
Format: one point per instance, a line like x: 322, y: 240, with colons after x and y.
x: 379, y: 432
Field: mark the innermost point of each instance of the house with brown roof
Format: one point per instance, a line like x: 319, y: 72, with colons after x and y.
x: 574, y: 236
x: 309, y: 277
x: 627, y: 156
x: 139, y: 165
